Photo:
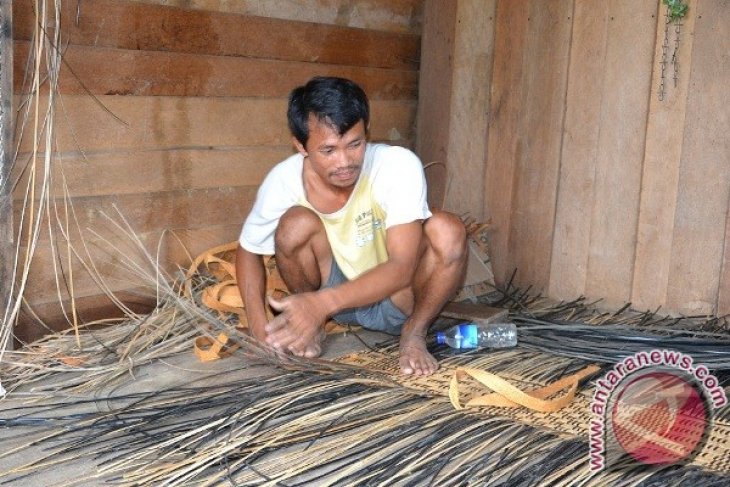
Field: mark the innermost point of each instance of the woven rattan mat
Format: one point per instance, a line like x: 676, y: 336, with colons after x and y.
x: 527, y: 370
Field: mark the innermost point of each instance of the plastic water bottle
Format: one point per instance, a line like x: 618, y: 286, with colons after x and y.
x: 473, y: 335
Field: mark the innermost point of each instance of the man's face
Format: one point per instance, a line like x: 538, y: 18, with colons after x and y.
x: 336, y: 159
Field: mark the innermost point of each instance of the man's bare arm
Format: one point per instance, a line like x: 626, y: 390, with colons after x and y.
x: 403, y: 243
x: 303, y: 314
x: 251, y: 280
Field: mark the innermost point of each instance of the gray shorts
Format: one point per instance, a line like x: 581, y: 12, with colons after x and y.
x: 382, y: 316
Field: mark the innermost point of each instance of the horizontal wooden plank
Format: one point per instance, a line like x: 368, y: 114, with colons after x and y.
x: 388, y: 15
x: 185, y: 122
x: 119, y: 173
x: 146, y: 212
x: 175, y: 250
x: 110, y: 71
x: 477, y: 313
x: 129, y: 25
x: 55, y: 316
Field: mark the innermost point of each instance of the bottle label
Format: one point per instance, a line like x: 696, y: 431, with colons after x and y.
x: 469, y: 335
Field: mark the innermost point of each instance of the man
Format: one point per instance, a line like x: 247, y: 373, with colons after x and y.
x: 353, y: 235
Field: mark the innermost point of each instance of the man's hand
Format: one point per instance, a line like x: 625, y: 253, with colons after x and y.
x: 299, y: 325
x: 258, y: 332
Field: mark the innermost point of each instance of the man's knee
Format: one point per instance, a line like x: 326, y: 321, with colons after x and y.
x: 446, y: 236
x: 297, y: 226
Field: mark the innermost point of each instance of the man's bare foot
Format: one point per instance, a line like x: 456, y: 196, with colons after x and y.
x: 414, y: 357
x: 312, y: 350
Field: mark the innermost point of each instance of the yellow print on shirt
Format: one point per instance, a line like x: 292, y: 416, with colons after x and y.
x: 365, y: 227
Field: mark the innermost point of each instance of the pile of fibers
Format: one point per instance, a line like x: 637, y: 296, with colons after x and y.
x: 313, y: 421
x: 337, y: 426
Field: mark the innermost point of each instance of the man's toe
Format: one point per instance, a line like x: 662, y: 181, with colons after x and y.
x: 406, y: 366
x: 313, y: 351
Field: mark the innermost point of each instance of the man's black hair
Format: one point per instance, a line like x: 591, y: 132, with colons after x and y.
x: 338, y: 102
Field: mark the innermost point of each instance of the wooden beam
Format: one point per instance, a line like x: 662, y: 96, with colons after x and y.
x: 6, y: 151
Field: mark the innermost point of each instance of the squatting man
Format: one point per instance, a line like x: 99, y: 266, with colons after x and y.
x: 352, y: 232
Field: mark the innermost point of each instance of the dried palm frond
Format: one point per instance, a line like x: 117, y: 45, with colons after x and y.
x: 612, y: 343
x: 39, y: 113
x: 96, y: 356
x: 36, y: 174
x: 580, y: 329
x: 339, y: 426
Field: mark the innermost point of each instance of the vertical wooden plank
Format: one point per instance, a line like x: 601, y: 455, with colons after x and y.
x: 624, y: 108
x: 545, y: 73
x: 504, y: 142
x: 471, y: 77
x: 6, y: 156
x: 704, y: 175
x: 434, y: 91
x: 569, y: 264
x: 718, y: 31
x: 661, y: 167
x: 723, y: 293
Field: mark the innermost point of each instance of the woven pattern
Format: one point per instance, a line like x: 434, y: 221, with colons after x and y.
x: 527, y: 370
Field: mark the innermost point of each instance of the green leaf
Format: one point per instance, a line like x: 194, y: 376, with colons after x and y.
x: 677, y: 9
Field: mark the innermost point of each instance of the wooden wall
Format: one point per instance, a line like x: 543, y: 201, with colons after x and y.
x: 173, y: 111
x: 594, y: 186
